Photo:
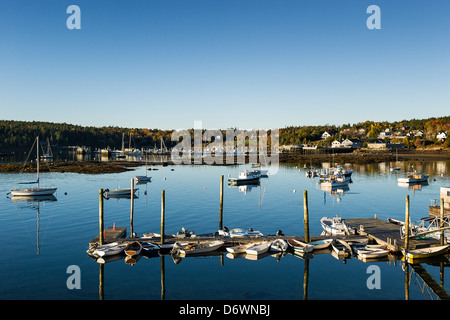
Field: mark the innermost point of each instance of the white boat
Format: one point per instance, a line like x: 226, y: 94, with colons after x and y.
x: 371, y: 251
x: 48, y: 154
x: 246, y: 177
x: 300, y: 246
x: 142, y: 178
x: 413, y: 177
x: 109, y: 249
x: 279, y: 245
x: 239, y: 232
x: 259, y: 248
x: 336, y: 226
x: 193, y: 248
x: 321, y: 244
x: 119, y: 192
x: 38, y: 190
x: 133, y: 248
x: 336, y: 181
x: 239, y: 248
x: 342, y: 249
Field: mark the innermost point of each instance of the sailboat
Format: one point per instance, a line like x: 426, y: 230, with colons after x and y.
x: 48, y: 154
x: 143, y: 179
x: 38, y: 190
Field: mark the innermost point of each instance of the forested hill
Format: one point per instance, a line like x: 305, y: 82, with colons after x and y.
x: 21, y: 134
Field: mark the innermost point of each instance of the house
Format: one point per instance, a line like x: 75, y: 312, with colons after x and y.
x: 336, y: 144
x: 415, y: 133
x: 352, y: 143
x: 325, y: 135
x: 441, y: 136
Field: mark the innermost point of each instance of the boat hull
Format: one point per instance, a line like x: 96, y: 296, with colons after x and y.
x: 34, y: 192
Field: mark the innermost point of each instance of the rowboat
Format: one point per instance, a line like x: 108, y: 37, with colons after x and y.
x: 192, y: 248
x: 108, y: 249
x: 239, y: 248
x: 119, y: 192
x: 239, y: 232
x: 336, y: 226
x: 279, y: 245
x: 259, y: 248
x: 418, y: 254
x: 321, y: 244
x: 342, y: 248
x: 133, y: 248
x: 371, y: 251
x: 149, y: 248
x: 300, y: 246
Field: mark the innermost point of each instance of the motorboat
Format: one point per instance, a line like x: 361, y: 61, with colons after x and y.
x: 336, y: 226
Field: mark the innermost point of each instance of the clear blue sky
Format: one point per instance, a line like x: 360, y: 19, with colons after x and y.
x: 229, y: 63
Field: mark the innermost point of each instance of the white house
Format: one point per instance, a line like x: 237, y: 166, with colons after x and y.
x: 325, y: 135
x: 336, y: 144
x: 441, y: 136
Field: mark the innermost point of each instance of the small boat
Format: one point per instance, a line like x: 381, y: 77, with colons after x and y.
x: 38, y: 190
x: 239, y: 232
x: 371, y: 251
x: 149, y: 248
x: 336, y: 226
x: 239, y: 248
x: 192, y: 248
x: 119, y: 192
x: 342, y: 249
x: 413, y: 177
x: 133, y: 248
x: 142, y: 178
x: 258, y: 248
x: 300, y: 246
x: 246, y: 177
x: 418, y: 254
x: 109, y: 249
x: 395, y: 221
x: 279, y: 245
x: 336, y: 181
x: 321, y: 244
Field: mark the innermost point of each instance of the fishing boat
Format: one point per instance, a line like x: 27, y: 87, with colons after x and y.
x: 336, y: 226
x: 413, y: 177
x: 279, y: 245
x: 149, y: 248
x: 246, y: 177
x: 321, y: 244
x: 193, y: 248
x: 259, y: 248
x: 336, y: 181
x: 422, y: 253
x: 108, y: 249
x: 119, y: 192
x: 38, y: 190
x: 300, y: 246
x: 133, y: 248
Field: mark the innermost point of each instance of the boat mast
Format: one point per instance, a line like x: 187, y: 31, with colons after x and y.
x: 37, y: 159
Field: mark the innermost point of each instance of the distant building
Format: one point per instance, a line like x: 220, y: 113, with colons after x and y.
x: 441, y: 136
x: 325, y: 135
x: 352, y: 143
x: 336, y: 144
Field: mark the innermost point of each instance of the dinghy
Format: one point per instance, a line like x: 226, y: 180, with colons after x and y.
x: 279, y: 245
x: 371, y: 251
x: 108, y: 249
x: 257, y: 249
x: 149, y: 248
x: 321, y: 244
x: 193, y: 248
x: 422, y: 253
x: 300, y: 246
x: 133, y: 248
x: 240, y: 248
x: 342, y: 249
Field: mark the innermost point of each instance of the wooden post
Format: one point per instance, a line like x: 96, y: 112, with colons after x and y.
x: 442, y: 222
x: 407, y: 223
x: 163, y: 204
x: 100, y: 216
x: 132, y: 208
x: 221, y: 204
x: 306, y: 218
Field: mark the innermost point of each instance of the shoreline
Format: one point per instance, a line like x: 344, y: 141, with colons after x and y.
x: 102, y: 167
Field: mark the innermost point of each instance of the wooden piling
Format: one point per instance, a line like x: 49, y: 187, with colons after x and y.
x: 442, y: 222
x: 221, y: 204
x: 132, y: 208
x: 100, y: 216
x: 163, y: 209
x: 407, y: 223
x: 306, y: 218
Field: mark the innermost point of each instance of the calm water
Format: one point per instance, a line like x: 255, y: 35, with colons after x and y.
x: 41, y: 239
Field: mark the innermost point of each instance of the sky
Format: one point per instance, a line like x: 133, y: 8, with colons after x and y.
x: 260, y: 64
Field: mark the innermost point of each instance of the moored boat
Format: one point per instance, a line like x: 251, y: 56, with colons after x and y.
x: 300, y: 246
x: 192, y: 248
x: 342, y: 249
x: 119, y: 192
x: 246, y: 177
x: 149, y: 248
x: 371, y: 251
x: 239, y: 248
x: 336, y: 226
x: 133, y: 248
x: 413, y: 177
x: 108, y: 249
x: 279, y: 245
x: 336, y: 181
x: 321, y: 244
x: 259, y: 248
x: 415, y: 255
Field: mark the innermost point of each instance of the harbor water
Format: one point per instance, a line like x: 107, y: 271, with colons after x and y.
x: 42, y: 239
